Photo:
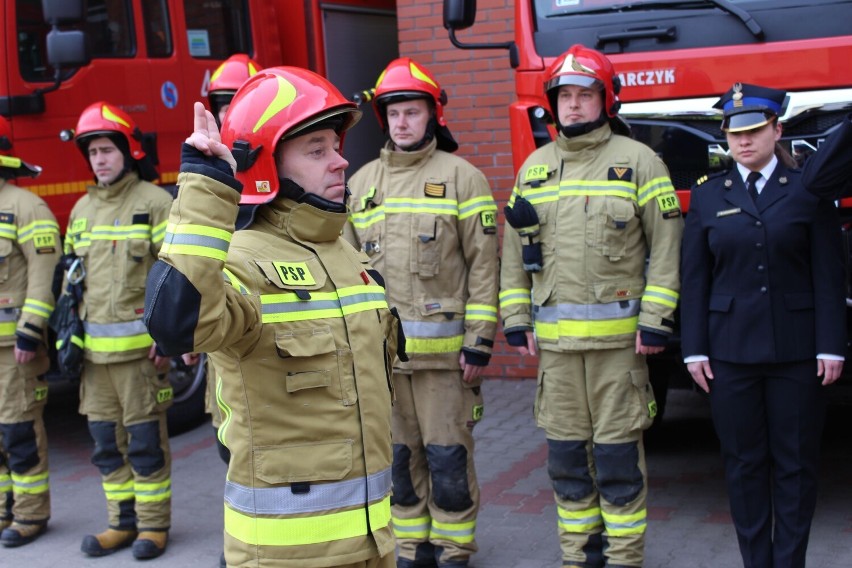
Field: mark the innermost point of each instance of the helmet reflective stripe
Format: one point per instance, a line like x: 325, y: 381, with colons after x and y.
x: 284, y: 98
x: 108, y: 114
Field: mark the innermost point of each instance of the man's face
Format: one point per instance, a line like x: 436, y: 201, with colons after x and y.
x: 576, y: 104
x: 754, y: 148
x: 314, y: 162
x: 407, y: 121
x: 222, y: 110
x: 106, y: 160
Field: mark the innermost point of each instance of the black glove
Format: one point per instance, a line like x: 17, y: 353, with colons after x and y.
x: 524, y: 219
x: 516, y: 338
x: 653, y: 339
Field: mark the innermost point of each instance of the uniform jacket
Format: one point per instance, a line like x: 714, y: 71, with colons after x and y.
x: 604, y: 202
x: 301, y: 335
x: 117, y: 230
x: 828, y: 173
x: 29, y: 251
x: 761, y: 283
x: 428, y: 222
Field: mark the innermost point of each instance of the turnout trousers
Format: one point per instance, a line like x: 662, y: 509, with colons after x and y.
x: 435, y: 491
x: 125, y: 404
x: 593, y: 406
x: 24, y: 478
x: 769, y: 419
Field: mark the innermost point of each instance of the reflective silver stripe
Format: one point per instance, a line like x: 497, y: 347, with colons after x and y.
x: 587, y: 312
x: 433, y: 329
x: 197, y: 240
x: 300, y: 306
x: 8, y: 314
x: 121, y: 329
x: 362, y: 298
x: 321, y: 497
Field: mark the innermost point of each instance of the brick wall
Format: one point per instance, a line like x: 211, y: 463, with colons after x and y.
x: 480, y: 87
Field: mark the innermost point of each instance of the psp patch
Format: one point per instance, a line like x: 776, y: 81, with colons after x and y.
x: 616, y: 173
x: 435, y: 189
x: 488, y: 219
x: 44, y: 243
x: 669, y: 205
x: 294, y: 273
x: 536, y: 174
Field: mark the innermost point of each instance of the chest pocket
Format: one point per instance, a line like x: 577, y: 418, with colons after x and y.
x: 6, y: 247
x: 609, y: 226
x: 138, y: 257
x: 370, y: 226
x: 427, y: 244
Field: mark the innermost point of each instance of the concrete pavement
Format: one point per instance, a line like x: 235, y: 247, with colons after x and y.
x: 689, y: 525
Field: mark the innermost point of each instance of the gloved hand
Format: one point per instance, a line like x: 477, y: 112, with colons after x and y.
x: 524, y: 219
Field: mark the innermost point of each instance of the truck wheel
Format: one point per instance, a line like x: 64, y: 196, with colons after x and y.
x: 189, y: 384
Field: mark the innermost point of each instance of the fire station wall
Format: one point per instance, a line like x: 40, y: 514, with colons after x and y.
x: 480, y: 87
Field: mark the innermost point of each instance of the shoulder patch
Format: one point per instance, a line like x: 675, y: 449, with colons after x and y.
x: 538, y: 172
x: 669, y: 205
x: 488, y: 219
x: 7, y: 218
x: 700, y: 180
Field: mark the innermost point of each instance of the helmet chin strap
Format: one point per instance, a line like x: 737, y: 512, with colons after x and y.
x: 290, y: 189
x: 581, y: 128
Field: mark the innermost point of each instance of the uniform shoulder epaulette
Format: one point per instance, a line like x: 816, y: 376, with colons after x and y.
x: 707, y: 177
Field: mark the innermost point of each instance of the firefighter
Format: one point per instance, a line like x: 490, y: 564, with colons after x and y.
x: 225, y: 81
x: 29, y: 251
x: 115, y: 232
x: 764, y: 327
x: 828, y: 173
x: 586, y: 211
x: 427, y: 220
x: 294, y: 320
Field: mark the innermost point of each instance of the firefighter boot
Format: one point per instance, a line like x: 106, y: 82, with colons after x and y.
x: 21, y: 533
x: 150, y: 544
x: 107, y: 542
x: 4, y: 523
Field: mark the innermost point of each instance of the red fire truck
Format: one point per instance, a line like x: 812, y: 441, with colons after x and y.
x: 153, y: 59
x: 674, y: 59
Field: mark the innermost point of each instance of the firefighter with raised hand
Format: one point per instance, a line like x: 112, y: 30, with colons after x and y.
x: 115, y: 231
x: 294, y: 320
x: 29, y: 251
x: 603, y: 204
x: 427, y: 220
x: 225, y: 81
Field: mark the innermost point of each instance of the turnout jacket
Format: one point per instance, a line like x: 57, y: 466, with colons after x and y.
x: 762, y: 283
x: 427, y: 220
x: 604, y: 203
x: 29, y: 251
x: 117, y: 231
x: 300, y: 333
x: 828, y: 173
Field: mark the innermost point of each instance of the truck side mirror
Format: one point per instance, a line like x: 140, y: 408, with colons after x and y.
x: 66, y: 48
x: 58, y: 12
x: 459, y: 14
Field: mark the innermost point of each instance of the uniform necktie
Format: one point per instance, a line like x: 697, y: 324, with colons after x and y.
x: 751, y: 184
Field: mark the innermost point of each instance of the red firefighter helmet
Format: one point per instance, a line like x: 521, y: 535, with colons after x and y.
x: 10, y: 165
x: 405, y: 80
x: 103, y: 119
x: 278, y: 103
x: 229, y: 77
x: 587, y: 68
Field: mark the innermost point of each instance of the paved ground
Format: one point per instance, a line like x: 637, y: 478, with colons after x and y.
x: 689, y: 523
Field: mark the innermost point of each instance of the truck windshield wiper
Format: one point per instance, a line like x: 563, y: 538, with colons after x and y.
x: 723, y: 5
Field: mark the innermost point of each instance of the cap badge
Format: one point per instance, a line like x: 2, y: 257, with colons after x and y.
x: 737, y: 97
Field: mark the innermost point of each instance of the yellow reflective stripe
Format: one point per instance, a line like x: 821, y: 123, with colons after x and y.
x: 653, y: 188
x: 514, y: 296
x: 31, y: 484
x: 5, y: 483
x: 435, y: 206
x: 620, y: 525
x: 461, y: 533
x: 118, y: 491
x: 38, y: 227
x: 153, y: 492
x: 476, y: 205
x: 434, y: 345
x: 158, y: 232
x: 289, y: 307
x: 661, y: 295
x: 8, y: 328
x: 364, y: 219
x: 196, y: 240
x: 35, y: 307
x: 417, y: 527
x: 482, y: 312
x: 361, y: 298
x: 579, y: 521
x: 117, y: 344
x: 226, y: 412
x: 585, y: 329
x: 8, y: 231
x: 299, y: 531
x: 234, y: 281
x: 119, y: 232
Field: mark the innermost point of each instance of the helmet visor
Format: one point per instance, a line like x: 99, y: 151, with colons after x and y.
x: 574, y: 79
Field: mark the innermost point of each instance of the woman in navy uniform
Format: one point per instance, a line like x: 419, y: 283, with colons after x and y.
x: 763, y: 327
